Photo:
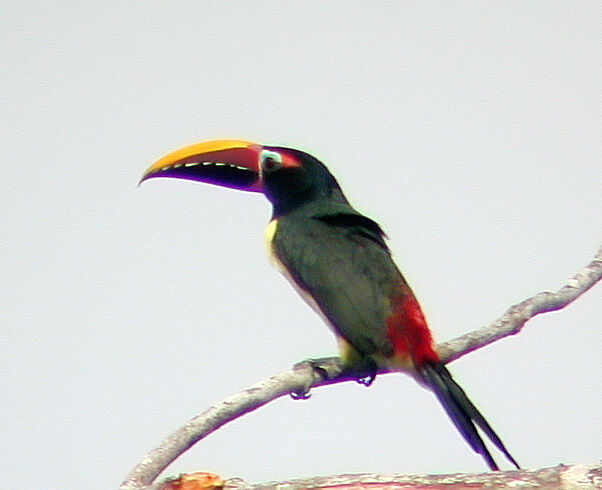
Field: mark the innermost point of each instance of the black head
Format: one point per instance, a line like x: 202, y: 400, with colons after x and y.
x: 291, y: 178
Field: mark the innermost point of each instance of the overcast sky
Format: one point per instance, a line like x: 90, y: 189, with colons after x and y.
x: 470, y: 131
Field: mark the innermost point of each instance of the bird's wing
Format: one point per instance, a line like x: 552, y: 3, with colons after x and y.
x: 343, y: 264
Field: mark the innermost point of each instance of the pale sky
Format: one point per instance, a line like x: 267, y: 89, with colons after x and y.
x: 470, y: 131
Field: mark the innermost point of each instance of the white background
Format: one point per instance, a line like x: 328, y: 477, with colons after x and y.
x: 470, y: 131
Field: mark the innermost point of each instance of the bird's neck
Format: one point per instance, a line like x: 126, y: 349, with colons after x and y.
x: 317, y: 201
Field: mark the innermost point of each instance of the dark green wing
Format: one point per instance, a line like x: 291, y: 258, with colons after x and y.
x: 341, y: 260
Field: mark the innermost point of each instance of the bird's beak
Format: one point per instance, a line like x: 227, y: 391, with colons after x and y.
x: 228, y: 163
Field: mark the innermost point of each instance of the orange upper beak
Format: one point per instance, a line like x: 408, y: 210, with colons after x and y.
x: 228, y: 163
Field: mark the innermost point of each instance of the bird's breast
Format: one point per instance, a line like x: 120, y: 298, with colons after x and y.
x: 270, y: 236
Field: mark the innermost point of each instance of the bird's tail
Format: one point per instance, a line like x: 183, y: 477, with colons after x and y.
x: 462, y: 412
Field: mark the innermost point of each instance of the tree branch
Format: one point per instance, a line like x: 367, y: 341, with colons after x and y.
x: 516, y: 316
x: 561, y: 477
x: 310, y: 374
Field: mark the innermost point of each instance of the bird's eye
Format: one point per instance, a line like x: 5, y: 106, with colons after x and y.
x: 270, y: 160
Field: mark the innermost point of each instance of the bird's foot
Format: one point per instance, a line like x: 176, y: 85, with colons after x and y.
x: 297, y: 395
x: 366, y: 380
x: 366, y: 372
x: 321, y: 371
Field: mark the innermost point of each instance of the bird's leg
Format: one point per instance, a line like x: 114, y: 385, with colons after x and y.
x: 361, y: 369
x: 365, y: 371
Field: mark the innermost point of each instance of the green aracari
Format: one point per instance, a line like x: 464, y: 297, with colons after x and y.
x: 339, y: 261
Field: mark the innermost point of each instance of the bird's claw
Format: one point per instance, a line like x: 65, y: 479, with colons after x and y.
x: 320, y: 372
x: 367, y: 373
x: 366, y: 380
x: 296, y: 395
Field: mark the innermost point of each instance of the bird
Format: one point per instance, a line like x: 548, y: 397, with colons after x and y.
x: 339, y: 261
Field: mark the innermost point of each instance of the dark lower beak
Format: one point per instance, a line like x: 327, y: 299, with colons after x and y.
x: 227, y: 163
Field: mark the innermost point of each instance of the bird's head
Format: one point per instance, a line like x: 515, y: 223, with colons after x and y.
x: 287, y: 177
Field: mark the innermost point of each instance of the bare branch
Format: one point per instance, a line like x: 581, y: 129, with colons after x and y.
x: 562, y: 477
x: 516, y: 316
x: 310, y: 374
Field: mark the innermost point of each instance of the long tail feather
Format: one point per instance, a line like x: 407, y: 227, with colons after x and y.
x: 463, y: 413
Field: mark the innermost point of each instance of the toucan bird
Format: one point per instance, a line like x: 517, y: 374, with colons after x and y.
x: 339, y: 261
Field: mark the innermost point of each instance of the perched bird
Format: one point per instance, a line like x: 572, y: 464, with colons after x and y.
x: 339, y: 262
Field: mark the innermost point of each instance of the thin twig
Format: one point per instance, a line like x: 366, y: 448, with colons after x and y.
x: 304, y: 376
